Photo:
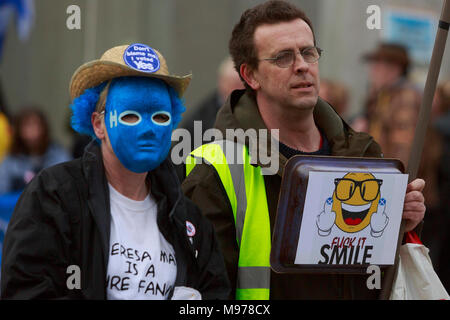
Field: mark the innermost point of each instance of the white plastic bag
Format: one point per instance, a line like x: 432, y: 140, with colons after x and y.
x: 416, y: 278
x: 186, y: 293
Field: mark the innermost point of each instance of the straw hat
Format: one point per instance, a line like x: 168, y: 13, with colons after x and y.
x: 126, y: 60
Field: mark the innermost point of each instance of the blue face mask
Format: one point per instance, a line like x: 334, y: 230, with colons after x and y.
x: 138, y: 119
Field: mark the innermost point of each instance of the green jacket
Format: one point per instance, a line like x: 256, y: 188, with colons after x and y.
x: 203, y: 186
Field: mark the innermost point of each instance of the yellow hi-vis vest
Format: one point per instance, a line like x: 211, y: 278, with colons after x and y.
x: 244, y: 186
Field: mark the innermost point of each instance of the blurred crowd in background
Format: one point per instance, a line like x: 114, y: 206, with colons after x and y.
x: 389, y: 113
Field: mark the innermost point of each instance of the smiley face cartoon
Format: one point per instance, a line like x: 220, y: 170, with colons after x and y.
x: 355, y: 200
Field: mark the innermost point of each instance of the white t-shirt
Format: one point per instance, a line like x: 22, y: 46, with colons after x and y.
x: 142, y: 263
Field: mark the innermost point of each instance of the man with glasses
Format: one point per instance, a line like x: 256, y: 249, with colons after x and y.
x: 275, y: 52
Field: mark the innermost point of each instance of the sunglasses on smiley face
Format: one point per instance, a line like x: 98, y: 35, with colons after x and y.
x: 345, y: 188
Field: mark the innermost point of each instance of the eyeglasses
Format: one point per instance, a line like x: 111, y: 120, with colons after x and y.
x: 285, y: 59
x: 369, y: 189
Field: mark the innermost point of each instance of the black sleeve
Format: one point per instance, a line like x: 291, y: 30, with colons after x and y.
x: 36, y: 246
x: 204, y: 188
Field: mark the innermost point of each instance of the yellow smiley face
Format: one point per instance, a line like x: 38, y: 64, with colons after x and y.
x: 355, y: 199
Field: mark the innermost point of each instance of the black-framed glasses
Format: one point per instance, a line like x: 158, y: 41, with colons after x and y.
x: 369, y: 189
x: 285, y: 59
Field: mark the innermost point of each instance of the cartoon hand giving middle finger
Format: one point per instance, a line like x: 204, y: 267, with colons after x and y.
x: 379, y: 220
x: 325, y: 220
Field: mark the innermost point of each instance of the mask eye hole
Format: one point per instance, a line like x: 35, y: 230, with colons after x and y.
x: 130, y: 118
x: 161, y: 118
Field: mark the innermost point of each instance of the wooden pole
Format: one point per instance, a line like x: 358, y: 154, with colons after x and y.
x: 421, y: 128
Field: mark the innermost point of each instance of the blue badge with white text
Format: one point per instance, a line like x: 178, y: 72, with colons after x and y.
x: 141, y: 57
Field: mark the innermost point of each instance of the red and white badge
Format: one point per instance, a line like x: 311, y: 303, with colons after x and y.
x: 190, y: 229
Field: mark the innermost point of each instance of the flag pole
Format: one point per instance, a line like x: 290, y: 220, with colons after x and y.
x: 422, y: 125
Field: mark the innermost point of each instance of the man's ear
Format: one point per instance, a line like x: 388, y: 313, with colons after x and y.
x: 248, y: 75
x: 98, y: 125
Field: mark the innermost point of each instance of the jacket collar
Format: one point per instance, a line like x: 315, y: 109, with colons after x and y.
x: 241, y: 112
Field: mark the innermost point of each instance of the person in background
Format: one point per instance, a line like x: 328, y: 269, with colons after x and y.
x: 5, y: 128
x: 227, y: 81
x: 336, y: 94
x: 31, y: 151
x: 393, y: 102
x: 441, y: 125
x: 432, y: 171
x: 78, y: 141
x: 8, y: 201
x: 5, y: 135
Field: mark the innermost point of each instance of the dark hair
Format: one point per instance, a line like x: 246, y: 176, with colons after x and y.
x: 443, y: 90
x: 18, y: 144
x: 394, y: 53
x: 241, y: 45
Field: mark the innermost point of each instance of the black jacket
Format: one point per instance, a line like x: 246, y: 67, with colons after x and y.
x: 63, y: 218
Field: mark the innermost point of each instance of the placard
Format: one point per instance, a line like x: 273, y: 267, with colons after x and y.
x: 309, y: 236
x: 351, y: 218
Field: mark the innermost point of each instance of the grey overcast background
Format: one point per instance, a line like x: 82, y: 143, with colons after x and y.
x: 192, y: 35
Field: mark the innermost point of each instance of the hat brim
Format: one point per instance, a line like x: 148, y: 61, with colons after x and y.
x: 381, y: 56
x: 95, y: 72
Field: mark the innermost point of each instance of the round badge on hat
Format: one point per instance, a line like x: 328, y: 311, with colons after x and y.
x: 141, y: 57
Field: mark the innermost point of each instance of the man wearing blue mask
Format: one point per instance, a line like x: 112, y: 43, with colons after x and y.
x: 114, y: 224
